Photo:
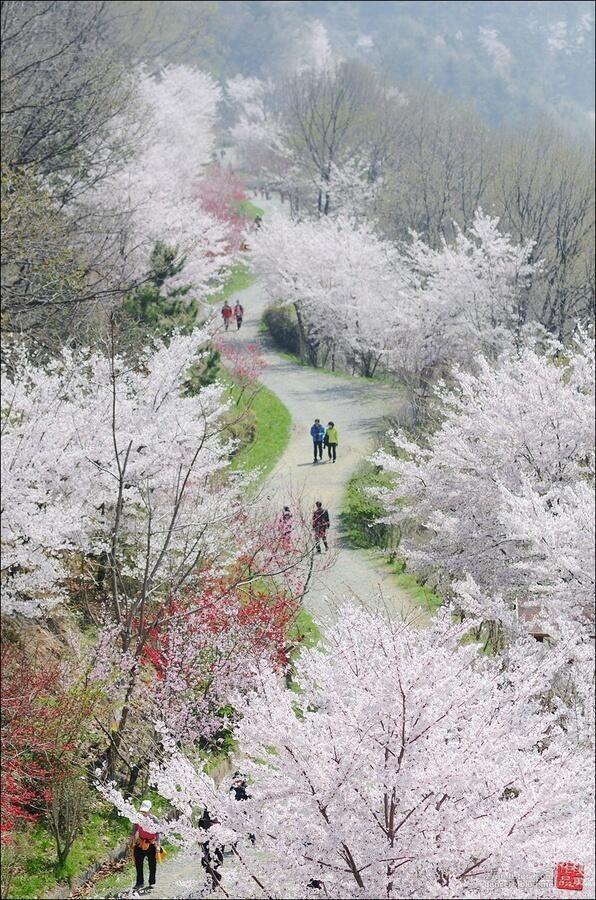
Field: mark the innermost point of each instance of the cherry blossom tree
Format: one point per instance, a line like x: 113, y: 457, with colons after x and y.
x: 467, y: 298
x: 504, y: 487
x: 201, y: 647
x: 219, y: 194
x: 322, y: 135
x: 352, y: 191
x: 113, y: 482
x: 245, y: 363
x: 114, y: 461
x: 258, y: 132
x: 209, y: 651
x: 156, y: 192
x: 114, y: 486
x: 373, y: 782
x: 277, y: 157
x: 342, y: 280
x: 415, y: 310
x: 314, y: 50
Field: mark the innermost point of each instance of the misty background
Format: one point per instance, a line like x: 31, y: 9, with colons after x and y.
x: 511, y: 61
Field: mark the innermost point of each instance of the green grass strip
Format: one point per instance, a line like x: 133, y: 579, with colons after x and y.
x: 420, y: 594
x: 272, y: 432
x: 40, y: 873
x: 248, y: 209
x: 305, y: 629
x: 239, y: 278
x: 359, y: 516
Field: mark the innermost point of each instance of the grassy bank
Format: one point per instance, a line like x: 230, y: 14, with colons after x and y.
x: 279, y: 323
x: 336, y: 373
x: 104, y: 831
x: 36, y: 874
x: 419, y: 593
x: 361, y: 529
x: 361, y: 511
x: 248, y: 209
x: 305, y: 630
x: 239, y: 278
x: 114, y: 883
x: 269, y: 431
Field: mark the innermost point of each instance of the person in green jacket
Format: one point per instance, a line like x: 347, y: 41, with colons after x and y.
x: 332, y: 440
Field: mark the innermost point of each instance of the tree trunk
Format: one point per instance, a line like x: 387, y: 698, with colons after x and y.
x: 308, y: 351
x: 116, y: 739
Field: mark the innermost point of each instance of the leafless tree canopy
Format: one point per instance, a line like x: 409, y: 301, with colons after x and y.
x: 62, y: 88
x: 66, y: 107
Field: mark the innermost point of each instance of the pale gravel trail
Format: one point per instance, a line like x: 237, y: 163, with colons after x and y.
x: 358, y: 408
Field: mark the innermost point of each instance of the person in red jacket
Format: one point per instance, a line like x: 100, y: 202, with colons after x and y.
x: 226, y: 314
x: 144, y: 844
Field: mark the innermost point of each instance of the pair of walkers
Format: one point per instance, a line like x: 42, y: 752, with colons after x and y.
x: 227, y: 312
x: 320, y: 525
x: 324, y: 437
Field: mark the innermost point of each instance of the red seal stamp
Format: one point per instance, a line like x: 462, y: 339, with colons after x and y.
x: 569, y: 877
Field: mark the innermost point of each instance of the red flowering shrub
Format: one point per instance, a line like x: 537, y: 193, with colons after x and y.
x: 43, y: 722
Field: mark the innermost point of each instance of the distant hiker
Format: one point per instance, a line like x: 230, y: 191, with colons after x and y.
x: 317, y: 433
x: 287, y: 660
x: 320, y: 525
x: 144, y: 845
x: 210, y: 862
x: 226, y: 314
x: 238, y: 786
x: 239, y: 789
x: 239, y: 313
x: 331, y: 441
x: 286, y: 522
x: 258, y: 220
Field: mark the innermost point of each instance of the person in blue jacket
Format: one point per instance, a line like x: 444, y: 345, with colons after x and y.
x: 317, y: 433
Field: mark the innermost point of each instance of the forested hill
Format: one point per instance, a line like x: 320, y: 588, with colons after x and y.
x: 511, y: 62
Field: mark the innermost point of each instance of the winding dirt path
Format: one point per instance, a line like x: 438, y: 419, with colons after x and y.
x: 358, y: 408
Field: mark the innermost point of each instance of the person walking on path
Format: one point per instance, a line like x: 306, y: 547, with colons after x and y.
x: 320, y: 525
x: 226, y: 314
x: 211, y: 862
x: 239, y: 313
x: 286, y: 523
x: 145, y: 845
x: 238, y: 787
x: 332, y: 440
x: 317, y: 433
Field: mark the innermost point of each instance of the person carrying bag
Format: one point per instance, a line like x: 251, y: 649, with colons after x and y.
x: 145, y: 845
